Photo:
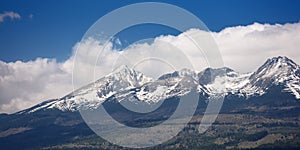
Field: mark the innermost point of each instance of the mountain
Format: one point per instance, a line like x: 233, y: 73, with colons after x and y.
x: 278, y: 71
x: 271, y: 93
x: 92, y: 95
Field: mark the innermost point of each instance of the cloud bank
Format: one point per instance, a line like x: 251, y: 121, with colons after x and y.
x: 243, y: 48
x: 9, y: 14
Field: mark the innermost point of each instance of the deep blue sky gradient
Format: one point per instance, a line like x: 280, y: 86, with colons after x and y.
x: 57, y: 25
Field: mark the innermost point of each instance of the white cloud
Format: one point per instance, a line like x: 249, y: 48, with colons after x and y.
x: 23, y: 84
x: 9, y: 14
x: 30, y: 16
x: 244, y: 48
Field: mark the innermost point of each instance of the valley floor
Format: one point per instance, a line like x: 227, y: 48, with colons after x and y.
x: 230, y: 131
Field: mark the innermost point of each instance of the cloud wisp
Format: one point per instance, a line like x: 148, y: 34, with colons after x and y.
x: 244, y: 48
x: 9, y: 14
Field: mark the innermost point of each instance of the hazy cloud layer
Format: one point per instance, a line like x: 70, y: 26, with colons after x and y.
x: 9, y: 14
x: 244, y: 48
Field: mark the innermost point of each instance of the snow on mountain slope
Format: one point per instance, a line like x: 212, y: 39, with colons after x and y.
x: 231, y: 82
x: 169, y: 85
x: 163, y: 89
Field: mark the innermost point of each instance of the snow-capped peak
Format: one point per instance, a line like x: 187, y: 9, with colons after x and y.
x: 122, y: 71
x: 275, y: 71
x: 124, y: 74
x: 283, y: 60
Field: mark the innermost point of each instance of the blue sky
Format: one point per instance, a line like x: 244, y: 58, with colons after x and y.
x: 56, y: 26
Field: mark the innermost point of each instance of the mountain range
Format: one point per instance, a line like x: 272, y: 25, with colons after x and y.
x: 278, y: 71
x: 272, y: 92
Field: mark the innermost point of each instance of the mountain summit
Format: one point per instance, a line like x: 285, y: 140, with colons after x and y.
x: 277, y: 71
